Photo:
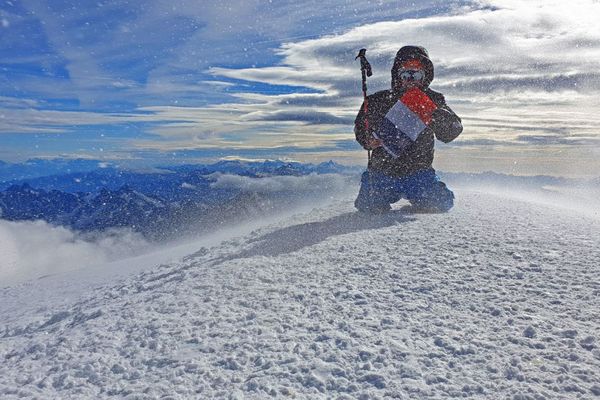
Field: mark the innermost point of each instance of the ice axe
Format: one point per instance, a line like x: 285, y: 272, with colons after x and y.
x: 365, y: 70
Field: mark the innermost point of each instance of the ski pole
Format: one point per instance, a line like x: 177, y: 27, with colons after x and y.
x: 365, y: 70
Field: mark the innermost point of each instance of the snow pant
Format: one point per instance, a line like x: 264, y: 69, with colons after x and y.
x: 423, y: 189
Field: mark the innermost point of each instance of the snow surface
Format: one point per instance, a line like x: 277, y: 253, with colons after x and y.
x: 498, y: 299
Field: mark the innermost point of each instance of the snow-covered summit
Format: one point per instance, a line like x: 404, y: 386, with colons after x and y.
x: 497, y: 299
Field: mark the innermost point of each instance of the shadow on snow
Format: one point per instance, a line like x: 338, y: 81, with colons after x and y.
x: 296, y: 237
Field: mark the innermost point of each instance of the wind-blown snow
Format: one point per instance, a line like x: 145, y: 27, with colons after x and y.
x: 497, y: 299
x: 319, y: 183
x: 32, y: 249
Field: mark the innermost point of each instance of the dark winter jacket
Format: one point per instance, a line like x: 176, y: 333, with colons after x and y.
x: 445, y: 124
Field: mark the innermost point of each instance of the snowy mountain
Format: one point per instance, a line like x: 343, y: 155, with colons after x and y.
x: 162, y: 181
x: 82, y: 211
x: 497, y: 299
x: 34, y: 168
x: 161, y: 202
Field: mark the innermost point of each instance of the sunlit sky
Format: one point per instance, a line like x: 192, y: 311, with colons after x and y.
x: 195, y: 81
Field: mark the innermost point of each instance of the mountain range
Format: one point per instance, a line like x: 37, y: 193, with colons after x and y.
x: 158, y: 203
x: 162, y: 201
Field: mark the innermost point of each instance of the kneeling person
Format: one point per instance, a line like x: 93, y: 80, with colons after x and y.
x: 402, y: 123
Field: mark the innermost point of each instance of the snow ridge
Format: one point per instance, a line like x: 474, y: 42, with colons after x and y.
x: 497, y: 299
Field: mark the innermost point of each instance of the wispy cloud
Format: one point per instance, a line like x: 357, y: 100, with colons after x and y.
x: 252, y: 75
x: 489, y: 64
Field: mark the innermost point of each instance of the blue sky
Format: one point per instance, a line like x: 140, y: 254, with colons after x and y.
x: 185, y: 80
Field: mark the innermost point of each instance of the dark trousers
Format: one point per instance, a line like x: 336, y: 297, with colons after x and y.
x: 423, y: 189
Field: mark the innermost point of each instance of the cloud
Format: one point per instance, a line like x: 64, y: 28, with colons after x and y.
x: 93, y: 47
x: 31, y: 120
x: 547, y: 140
x: 530, y: 39
x: 307, y: 115
x: 506, y: 53
x: 328, y: 184
x: 33, y: 249
x: 496, y: 61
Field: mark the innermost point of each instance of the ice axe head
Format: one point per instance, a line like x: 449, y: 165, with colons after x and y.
x: 364, y: 64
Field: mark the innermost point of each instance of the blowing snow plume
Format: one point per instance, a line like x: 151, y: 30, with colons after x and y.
x: 32, y: 249
x: 580, y: 195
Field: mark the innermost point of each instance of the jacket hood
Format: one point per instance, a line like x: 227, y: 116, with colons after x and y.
x: 409, y: 53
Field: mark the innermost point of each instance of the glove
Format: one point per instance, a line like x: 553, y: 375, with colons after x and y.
x: 445, y: 124
x: 373, y: 143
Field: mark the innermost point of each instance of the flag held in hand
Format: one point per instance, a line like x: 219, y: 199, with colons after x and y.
x: 405, y: 121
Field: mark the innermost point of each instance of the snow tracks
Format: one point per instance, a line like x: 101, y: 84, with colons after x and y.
x: 498, y: 299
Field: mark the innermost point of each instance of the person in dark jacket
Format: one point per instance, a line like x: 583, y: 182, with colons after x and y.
x: 402, y: 154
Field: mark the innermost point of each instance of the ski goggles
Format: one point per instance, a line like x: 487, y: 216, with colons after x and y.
x: 411, y: 75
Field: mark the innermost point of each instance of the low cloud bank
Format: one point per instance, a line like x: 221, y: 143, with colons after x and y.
x: 32, y: 249
x: 317, y: 183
